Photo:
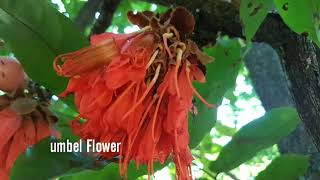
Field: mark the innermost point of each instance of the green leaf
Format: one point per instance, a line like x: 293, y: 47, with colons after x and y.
x: 109, y: 172
x: 73, y: 7
x: 288, y: 167
x: 255, y: 136
x: 65, y: 115
x: 38, y: 163
x: 221, y: 76
x: 252, y: 14
x: 36, y: 33
x: 302, y: 16
x: 224, y: 130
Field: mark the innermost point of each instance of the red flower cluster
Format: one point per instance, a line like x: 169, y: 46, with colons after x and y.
x: 23, y: 124
x: 137, y: 89
x: 17, y: 134
x: 24, y: 121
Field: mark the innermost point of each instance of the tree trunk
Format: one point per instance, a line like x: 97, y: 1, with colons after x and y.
x: 272, y: 87
x: 299, y: 61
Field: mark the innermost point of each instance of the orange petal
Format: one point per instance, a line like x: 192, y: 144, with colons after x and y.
x: 18, y: 146
x: 4, y: 154
x: 198, y: 74
x: 4, y: 175
x: 10, y: 122
x: 42, y: 129
x: 86, y: 59
x: 119, y: 39
x: 29, y: 130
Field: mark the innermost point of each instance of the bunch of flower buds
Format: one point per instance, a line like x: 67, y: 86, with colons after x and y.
x: 25, y: 119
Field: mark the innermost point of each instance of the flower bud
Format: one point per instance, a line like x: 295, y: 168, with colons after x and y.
x: 12, y: 76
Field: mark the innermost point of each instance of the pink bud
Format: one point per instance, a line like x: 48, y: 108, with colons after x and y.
x: 12, y: 76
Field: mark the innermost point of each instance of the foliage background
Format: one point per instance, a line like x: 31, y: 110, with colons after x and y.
x: 236, y: 141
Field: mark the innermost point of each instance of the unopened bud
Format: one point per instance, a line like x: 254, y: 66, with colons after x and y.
x: 12, y: 76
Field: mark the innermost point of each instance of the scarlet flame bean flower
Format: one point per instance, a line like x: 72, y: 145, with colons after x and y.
x: 137, y: 89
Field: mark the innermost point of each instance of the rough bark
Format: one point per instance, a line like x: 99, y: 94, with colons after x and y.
x: 211, y: 16
x: 271, y: 85
x: 298, y: 57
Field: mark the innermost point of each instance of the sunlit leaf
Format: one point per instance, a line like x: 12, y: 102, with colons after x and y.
x: 255, y: 136
x: 221, y: 75
x: 288, y: 167
x: 109, y: 172
x: 252, y: 14
x: 302, y: 16
x: 224, y: 130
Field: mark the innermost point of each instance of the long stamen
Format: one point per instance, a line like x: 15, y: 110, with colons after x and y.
x: 165, y: 37
x: 143, y: 29
x: 121, y: 157
x: 177, y: 153
x: 122, y: 95
x: 130, y: 140
x: 96, y: 100
x: 149, y: 166
x: 152, y: 83
x: 136, y: 35
x: 152, y: 163
x: 156, y: 113
x: 153, y: 57
x: 178, y: 63
x: 176, y: 33
x: 190, y: 172
x: 142, y: 120
x: 194, y: 90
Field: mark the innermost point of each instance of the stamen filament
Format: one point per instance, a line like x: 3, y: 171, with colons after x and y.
x: 176, y: 33
x: 152, y: 83
x: 178, y: 63
x: 121, y: 157
x: 194, y: 90
x: 165, y: 37
x: 122, y: 95
x: 143, y: 29
x: 142, y: 120
x: 176, y: 142
x: 153, y: 57
x: 156, y: 113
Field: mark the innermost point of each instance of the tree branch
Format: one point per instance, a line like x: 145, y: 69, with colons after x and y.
x: 211, y: 16
x: 106, y: 14
x: 271, y: 85
x: 87, y: 13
